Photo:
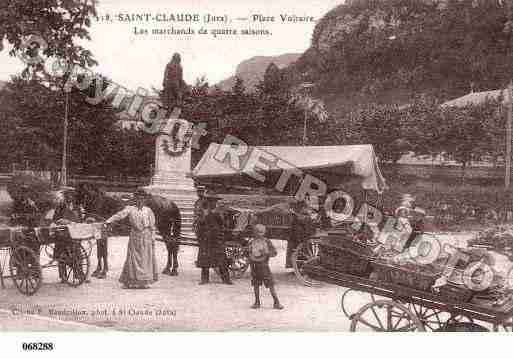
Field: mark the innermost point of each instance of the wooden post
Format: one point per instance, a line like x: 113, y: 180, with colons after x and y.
x: 64, y: 170
x: 304, y: 130
x: 507, y: 178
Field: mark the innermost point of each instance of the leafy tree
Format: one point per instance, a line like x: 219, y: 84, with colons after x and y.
x: 238, y: 88
x: 59, y: 22
x: 379, y: 125
x: 273, y: 81
x: 31, y: 115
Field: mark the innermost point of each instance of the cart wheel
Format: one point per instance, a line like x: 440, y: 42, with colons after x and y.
x: 435, y: 319
x: 386, y: 316
x: 306, y: 252
x: 76, y: 264
x: 238, y: 261
x: 25, y: 270
x: 346, y: 299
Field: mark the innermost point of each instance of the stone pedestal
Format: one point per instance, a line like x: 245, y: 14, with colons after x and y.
x: 172, y: 175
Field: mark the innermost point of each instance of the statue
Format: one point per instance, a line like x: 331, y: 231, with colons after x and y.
x: 173, y: 84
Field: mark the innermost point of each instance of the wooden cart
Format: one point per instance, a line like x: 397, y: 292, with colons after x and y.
x: 26, y: 246
x: 394, y: 307
x: 354, y: 166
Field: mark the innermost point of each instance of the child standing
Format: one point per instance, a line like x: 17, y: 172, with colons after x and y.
x: 260, y: 250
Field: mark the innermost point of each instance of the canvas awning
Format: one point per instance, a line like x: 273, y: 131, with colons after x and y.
x: 332, y: 164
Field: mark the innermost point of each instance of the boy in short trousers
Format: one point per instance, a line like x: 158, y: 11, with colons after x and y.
x: 260, y: 250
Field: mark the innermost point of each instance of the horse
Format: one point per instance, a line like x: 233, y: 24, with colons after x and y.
x: 169, y: 224
x: 167, y: 217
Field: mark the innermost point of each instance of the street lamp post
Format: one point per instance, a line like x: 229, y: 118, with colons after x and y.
x: 507, y: 177
x: 64, y: 169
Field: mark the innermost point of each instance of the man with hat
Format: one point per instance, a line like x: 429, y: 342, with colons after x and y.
x: 211, y: 251
x: 301, y: 228
x: 140, y: 268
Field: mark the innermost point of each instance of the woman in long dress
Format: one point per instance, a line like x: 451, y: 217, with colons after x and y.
x: 140, y: 267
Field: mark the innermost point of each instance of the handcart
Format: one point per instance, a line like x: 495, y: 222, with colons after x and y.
x: 61, y: 245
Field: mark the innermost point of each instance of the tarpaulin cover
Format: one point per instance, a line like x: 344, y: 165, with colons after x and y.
x: 337, y: 161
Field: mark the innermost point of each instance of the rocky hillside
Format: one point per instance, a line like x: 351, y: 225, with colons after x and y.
x: 391, y: 50
x: 252, y: 70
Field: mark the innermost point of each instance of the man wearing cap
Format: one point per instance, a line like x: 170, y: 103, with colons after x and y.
x: 140, y: 268
x: 211, y: 251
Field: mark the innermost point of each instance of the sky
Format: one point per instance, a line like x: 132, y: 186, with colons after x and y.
x: 139, y: 60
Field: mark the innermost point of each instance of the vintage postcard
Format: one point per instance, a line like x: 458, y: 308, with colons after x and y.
x: 256, y: 166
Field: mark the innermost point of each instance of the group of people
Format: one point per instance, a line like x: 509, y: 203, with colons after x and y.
x: 140, y: 266
x: 140, y: 269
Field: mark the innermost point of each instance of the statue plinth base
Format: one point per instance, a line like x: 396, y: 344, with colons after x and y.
x: 172, y: 170
x: 176, y: 186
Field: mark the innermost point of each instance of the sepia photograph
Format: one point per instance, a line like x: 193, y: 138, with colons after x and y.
x: 258, y: 166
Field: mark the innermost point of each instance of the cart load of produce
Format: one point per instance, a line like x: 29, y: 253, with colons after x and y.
x: 347, y: 252
x: 30, y: 195
x: 475, y: 276
x: 499, y: 238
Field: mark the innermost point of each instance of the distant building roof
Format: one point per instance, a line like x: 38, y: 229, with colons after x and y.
x: 411, y: 159
x: 477, y: 98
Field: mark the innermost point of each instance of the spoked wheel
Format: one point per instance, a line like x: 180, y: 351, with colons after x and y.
x: 25, y: 270
x: 436, y: 319
x: 238, y: 261
x: 76, y: 264
x: 349, y: 296
x: 385, y: 316
x: 306, y: 252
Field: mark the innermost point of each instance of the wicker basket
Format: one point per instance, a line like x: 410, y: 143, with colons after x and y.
x: 344, y: 260
x: 416, y: 279
x: 455, y: 293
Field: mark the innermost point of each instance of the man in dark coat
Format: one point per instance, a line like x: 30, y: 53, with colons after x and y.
x: 211, y: 252
x: 198, y: 208
x: 302, y: 227
x: 173, y: 83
